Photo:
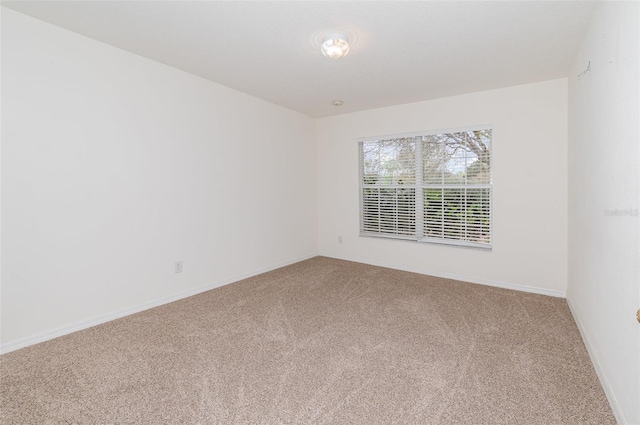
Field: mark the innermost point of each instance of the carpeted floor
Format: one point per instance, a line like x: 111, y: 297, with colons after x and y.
x: 323, y: 341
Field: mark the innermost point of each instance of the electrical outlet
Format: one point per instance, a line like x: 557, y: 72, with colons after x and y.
x: 339, y: 239
x: 177, y: 266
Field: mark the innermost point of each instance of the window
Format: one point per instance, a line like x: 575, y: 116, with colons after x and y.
x: 429, y: 187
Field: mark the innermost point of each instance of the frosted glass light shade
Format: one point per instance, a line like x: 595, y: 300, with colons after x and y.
x: 335, y: 46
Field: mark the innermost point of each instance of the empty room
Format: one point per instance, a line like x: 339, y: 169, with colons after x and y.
x: 325, y: 212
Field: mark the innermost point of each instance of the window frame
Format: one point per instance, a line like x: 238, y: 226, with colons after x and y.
x: 420, y: 186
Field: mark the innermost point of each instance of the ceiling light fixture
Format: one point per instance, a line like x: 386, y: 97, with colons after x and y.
x: 335, y: 46
x: 337, y: 103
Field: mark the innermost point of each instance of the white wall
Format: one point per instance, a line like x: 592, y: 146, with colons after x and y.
x: 529, y: 183
x: 114, y: 166
x: 604, y: 159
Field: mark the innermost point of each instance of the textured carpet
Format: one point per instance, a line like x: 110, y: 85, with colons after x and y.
x: 318, y: 342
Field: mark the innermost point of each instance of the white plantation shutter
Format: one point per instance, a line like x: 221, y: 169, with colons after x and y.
x: 428, y: 187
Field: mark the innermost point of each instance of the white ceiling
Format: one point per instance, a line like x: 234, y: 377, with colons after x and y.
x: 403, y: 51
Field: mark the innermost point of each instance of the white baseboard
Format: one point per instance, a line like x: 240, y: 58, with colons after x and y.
x: 486, y: 282
x: 103, y: 318
x: 613, y: 401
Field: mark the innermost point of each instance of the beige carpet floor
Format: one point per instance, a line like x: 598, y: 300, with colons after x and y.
x: 322, y: 341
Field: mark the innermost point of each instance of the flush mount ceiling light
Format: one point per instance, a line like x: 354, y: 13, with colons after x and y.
x: 335, y: 46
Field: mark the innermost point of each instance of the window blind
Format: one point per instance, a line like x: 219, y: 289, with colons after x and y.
x: 428, y: 187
